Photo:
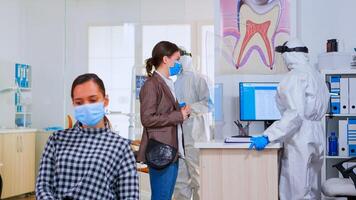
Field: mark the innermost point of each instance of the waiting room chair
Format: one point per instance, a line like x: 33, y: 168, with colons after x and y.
x: 342, y: 187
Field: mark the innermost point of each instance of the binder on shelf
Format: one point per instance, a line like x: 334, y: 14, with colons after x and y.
x: 335, y: 94
x: 23, y: 75
x: 344, y: 95
x: 352, y: 95
x: 343, y: 145
x: 17, y: 74
x: 27, y: 84
x: 17, y: 98
x: 351, y: 136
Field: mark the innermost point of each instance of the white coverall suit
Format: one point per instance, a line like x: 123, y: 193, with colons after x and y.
x: 192, y: 88
x: 302, y: 98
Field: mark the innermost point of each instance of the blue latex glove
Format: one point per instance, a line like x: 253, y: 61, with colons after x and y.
x: 259, y: 142
x: 182, y: 104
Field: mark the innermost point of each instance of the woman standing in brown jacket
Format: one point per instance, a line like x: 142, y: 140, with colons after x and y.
x: 161, y: 116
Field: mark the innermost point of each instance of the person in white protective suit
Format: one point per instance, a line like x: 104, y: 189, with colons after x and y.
x: 302, y: 98
x: 192, y: 89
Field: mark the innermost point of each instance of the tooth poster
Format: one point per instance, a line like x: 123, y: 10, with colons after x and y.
x: 250, y: 30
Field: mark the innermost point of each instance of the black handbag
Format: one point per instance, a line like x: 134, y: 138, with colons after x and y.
x: 159, y: 155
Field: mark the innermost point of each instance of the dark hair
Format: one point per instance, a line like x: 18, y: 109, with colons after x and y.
x: 88, y: 77
x: 161, y: 49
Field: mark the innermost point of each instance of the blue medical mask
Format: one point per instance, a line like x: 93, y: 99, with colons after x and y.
x: 90, y: 114
x: 175, y: 69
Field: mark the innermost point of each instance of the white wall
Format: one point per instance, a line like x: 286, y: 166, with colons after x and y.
x: 326, y: 19
x: 32, y: 32
x: 12, y: 20
x: 45, y: 52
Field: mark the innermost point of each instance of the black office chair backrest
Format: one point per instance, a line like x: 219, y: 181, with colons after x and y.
x: 349, y: 172
x: 0, y: 186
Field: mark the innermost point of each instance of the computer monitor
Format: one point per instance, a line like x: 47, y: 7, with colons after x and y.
x: 258, y: 102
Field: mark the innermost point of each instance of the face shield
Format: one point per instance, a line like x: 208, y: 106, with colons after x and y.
x: 284, y: 48
x: 185, y: 53
x: 294, y: 53
x: 186, y: 60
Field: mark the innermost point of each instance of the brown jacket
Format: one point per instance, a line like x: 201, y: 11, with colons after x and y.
x: 160, y: 114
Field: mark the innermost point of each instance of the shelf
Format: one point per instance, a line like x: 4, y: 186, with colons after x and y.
x: 23, y: 113
x: 341, y: 115
x: 337, y: 157
x: 14, y: 89
x: 338, y: 71
x: 331, y: 124
x: 25, y: 89
x: 7, y: 90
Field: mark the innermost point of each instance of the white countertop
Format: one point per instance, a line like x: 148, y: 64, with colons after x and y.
x: 222, y: 145
x: 17, y: 130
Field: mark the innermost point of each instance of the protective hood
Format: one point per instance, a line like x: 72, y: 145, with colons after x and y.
x: 186, y: 60
x: 296, y: 60
x: 186, y: 63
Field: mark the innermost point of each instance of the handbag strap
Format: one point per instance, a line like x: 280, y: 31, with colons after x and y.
x: 147, y: 133
x: 176, y: 135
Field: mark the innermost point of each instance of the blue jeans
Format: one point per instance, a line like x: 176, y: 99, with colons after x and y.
x: 163, y: 182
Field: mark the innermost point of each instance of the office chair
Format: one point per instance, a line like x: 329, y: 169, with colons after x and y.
x: 342, y: 187
x: 0, y: 186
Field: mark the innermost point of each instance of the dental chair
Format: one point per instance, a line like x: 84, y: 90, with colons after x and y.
x: 342, y: 187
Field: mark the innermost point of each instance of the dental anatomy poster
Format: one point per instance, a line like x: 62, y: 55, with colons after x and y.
x: 249, y: 32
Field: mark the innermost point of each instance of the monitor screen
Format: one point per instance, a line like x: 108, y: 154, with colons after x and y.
x: 258, y: 102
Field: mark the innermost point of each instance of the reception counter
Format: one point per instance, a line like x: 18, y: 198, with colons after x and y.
x: 232, y: 171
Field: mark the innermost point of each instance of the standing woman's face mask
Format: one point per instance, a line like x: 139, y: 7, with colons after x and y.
x: 175, y: 69
x: 89, y: 103
x: 174, y: 66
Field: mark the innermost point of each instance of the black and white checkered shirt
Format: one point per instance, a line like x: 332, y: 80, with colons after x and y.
x: 87, y: 163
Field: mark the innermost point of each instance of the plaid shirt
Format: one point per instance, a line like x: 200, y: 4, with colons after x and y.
x: 87, y: 163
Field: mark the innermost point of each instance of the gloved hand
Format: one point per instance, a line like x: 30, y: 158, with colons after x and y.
x: 182, y: 104
x: 259, y: 142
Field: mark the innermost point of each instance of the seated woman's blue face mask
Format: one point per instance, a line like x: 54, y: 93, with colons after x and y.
x: 89, y: 103
x: 90, y: 114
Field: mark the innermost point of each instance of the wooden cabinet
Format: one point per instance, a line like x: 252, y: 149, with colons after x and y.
x: 27, y: 158
x: 232, y: 171
x: 18, y: 158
